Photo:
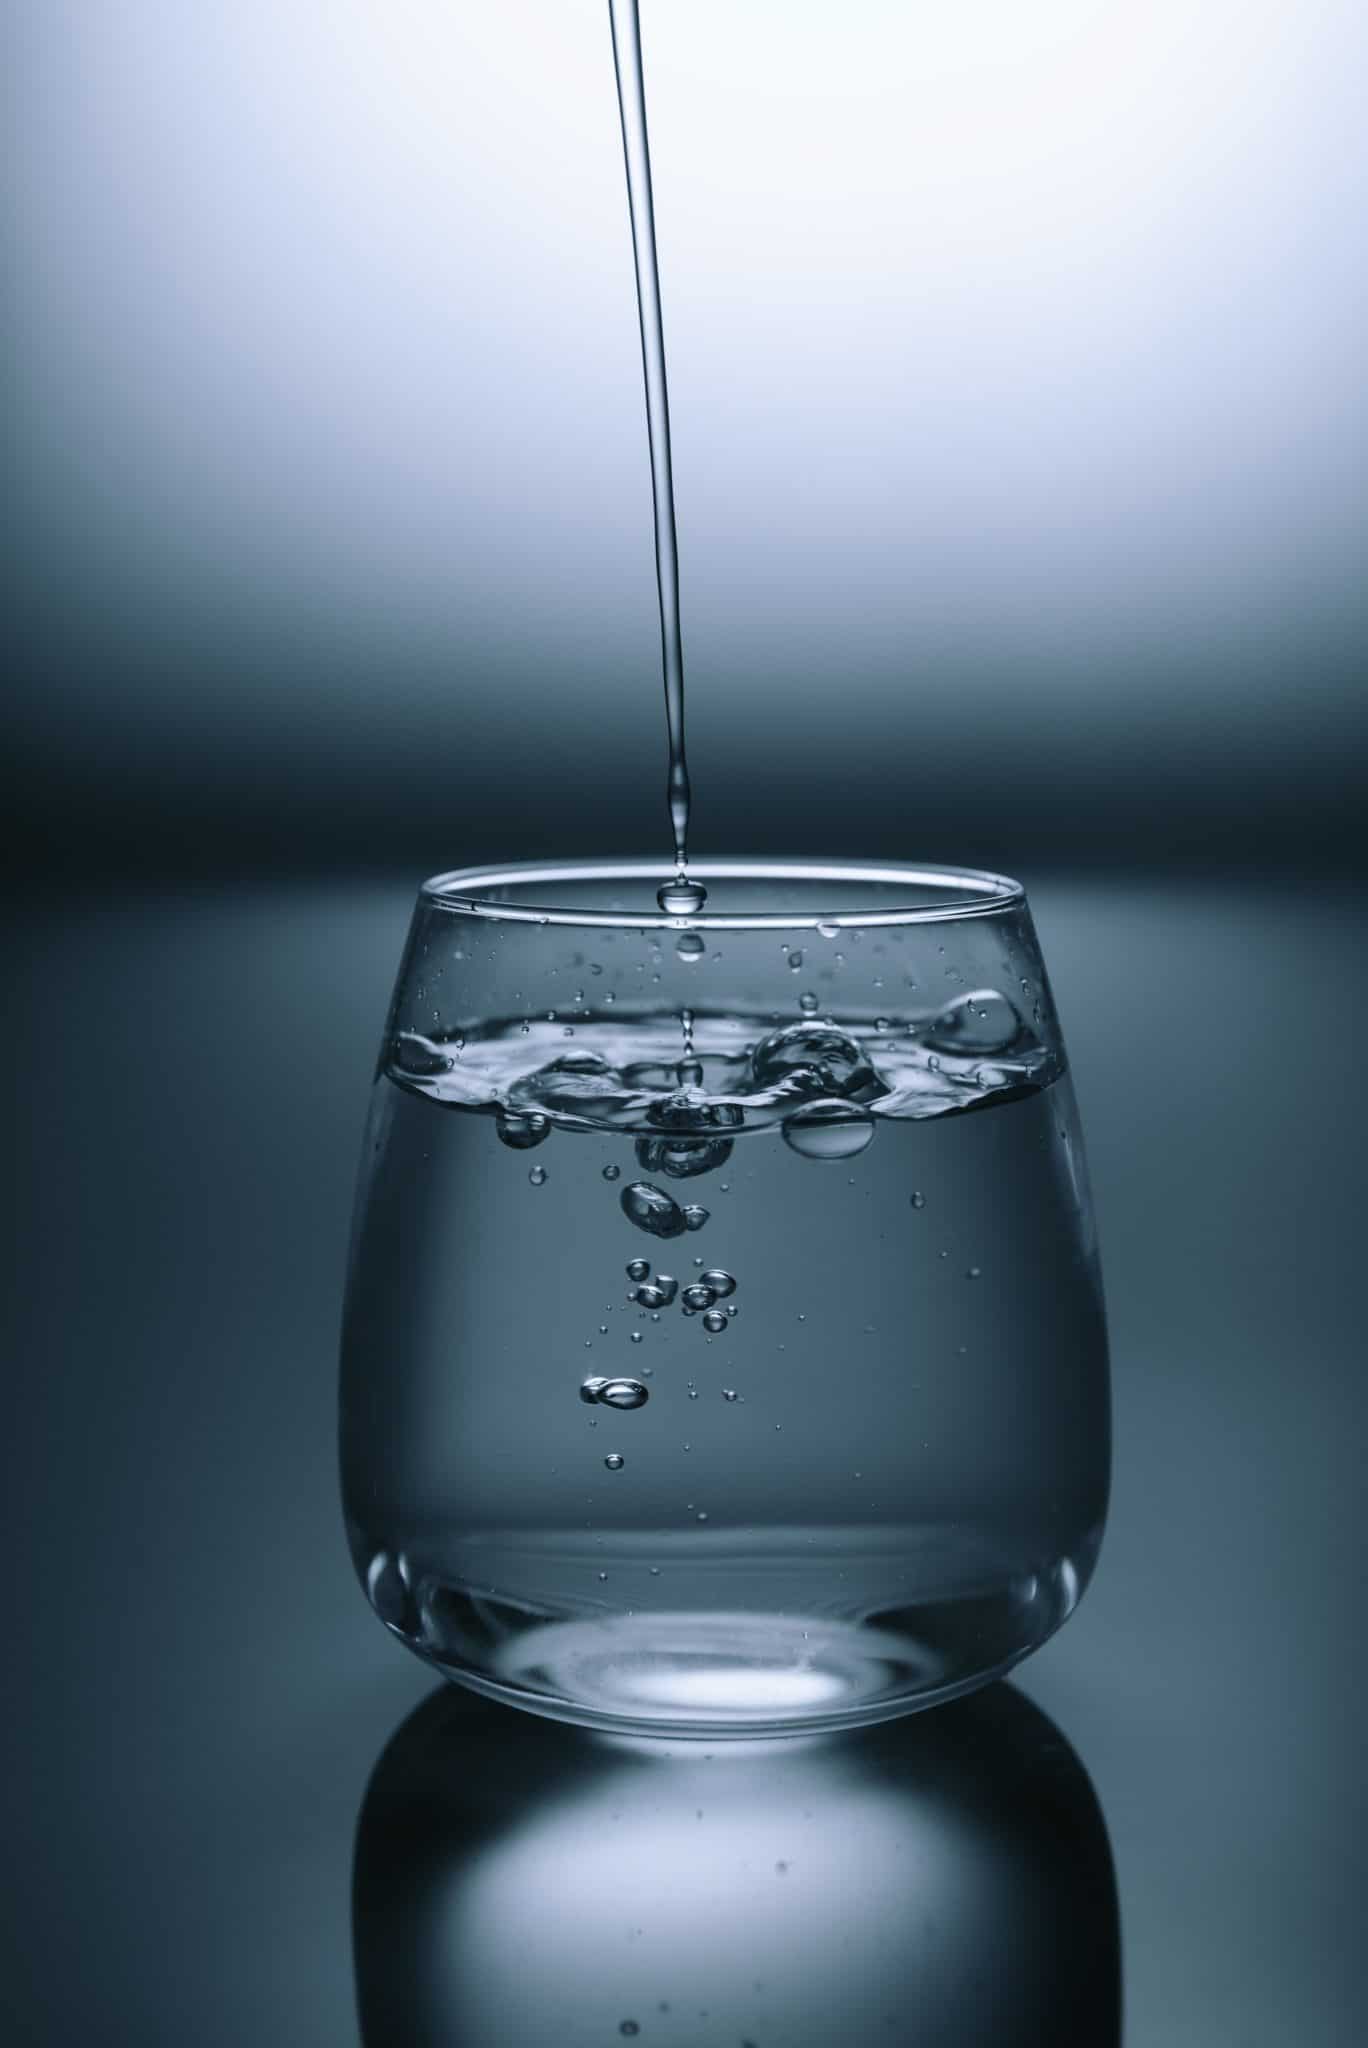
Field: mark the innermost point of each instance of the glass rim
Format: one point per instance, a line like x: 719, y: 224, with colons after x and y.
x: 977, y: 892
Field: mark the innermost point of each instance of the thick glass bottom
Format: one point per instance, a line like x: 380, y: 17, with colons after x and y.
x: 718, y: 1674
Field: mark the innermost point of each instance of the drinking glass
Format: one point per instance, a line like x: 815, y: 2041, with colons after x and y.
x: 724, y: 1348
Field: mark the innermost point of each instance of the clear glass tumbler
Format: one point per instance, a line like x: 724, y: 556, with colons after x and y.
x: 724, y: 1349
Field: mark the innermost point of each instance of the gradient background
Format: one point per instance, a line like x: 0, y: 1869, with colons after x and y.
x: 1017, y: 376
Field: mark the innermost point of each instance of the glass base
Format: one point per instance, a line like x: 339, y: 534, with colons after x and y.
x: 717, y: 1675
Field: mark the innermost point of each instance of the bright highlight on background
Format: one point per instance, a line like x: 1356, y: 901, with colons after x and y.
x: 1017, y: 379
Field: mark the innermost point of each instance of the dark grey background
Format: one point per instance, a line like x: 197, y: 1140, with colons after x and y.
x: 1022, y: 521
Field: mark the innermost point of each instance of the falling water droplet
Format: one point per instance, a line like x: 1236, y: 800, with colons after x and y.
x: 652, y: 1210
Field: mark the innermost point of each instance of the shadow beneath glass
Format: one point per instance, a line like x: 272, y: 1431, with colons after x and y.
x: 943, y: 1879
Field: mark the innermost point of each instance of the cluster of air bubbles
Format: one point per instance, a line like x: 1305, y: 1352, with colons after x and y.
x: 657, y: 1293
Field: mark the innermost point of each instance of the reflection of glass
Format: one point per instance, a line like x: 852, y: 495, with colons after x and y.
x: 724, y: 1350
x: 945, y: 1881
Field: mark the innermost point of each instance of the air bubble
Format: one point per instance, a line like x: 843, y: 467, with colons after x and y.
x: 795, y: 959
x: 537, y: 1176
x: 807, y: 1003
x: 681, y: 897
x: 615, y: 1461
x: 730, y: 1394
x: 635, y: 1337
x: 695, y: 1216
x: 590, y: 1389
x: 650, y: 1296
x: 638, y: 1269
x: 828, y: 1130
x: 611, y: 1172
x: 974, y: 1273
x: 715, y: 1322
x: 918, y: 1200
x: 721, y: 1282
x: 623, y: 1394
x: 698, y: 1296
x: 668, y: 1286
x: 828, y: 929
x: 689, y: 946
x: 521, y: 1133
x: 652, y: 1210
